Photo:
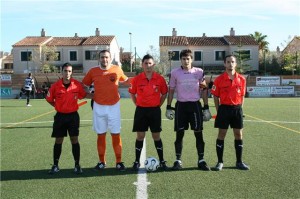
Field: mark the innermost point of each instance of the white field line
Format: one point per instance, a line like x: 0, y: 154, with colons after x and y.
x: 142, y: 183
x: 254, y: 121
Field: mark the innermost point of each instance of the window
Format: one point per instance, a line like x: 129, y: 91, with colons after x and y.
x: 219, y: 55
x: 73, y: 55
x: 57, y: 56
x: 26, y: 56
x: 173, y: 55
x: 198, y: 56
x: 91, y: 55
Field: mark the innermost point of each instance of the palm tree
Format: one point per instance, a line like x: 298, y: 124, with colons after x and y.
x: 261, y: 40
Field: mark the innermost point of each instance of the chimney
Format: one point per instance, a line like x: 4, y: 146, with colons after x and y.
x: 232, y: 32
x: 97, y: 32
x: 76, y: 35
x: 204, y: 35
x: 43, y: 33
x: 174, y: 32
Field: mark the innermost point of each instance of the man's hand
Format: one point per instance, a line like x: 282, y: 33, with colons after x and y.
x: 206, y: 113
x: 170, y: 112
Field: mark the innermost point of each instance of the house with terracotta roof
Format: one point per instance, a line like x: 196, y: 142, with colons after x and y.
x: 293, y: 46
x: 81, y: 52
x: 208, y: 52
x: 6, y: 62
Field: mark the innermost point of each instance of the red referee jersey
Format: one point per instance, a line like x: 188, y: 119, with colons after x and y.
x: 148, y: 92
x: 65, y: 100
x: 230, y: 92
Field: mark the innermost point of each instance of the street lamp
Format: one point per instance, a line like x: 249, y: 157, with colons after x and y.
x: 264, y: 51
x: 130, y: 52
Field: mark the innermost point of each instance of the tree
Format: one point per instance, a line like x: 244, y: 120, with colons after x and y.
x: 44, y: 56
x: 263, y: 48
x: 290, y: 55
x: 261, y: 40
x: 242, y: 57
x: 161, y: 59
x: 290, y: 62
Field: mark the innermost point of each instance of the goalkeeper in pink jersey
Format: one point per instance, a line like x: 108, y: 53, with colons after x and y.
x: 189, y: 84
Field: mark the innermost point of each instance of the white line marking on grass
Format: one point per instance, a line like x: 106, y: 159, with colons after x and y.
x: 265, y: 121
x: 41, y: 122
x: 274, y: 124
x: 142, y: 183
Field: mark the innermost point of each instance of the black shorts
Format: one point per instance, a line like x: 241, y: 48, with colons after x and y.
x: 229, y: 115
x: 65, y: 123
x: 145, y: 117
x: 188, y: 113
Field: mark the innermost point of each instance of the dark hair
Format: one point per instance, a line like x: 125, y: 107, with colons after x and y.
x: 186, y: 53
x: 147, y: 57
x: 65, y: 65
x: 228, y: 56
x: 104, y: 51
x: 29, y: 74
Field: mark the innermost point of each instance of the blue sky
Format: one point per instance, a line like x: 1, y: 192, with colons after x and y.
x: 149, y: 19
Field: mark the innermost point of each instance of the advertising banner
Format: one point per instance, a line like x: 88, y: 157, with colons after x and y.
x: 268, y: 81
x: 5, y: 92
x: 5, y: 80
x: 290, y: 82
x: 282, y: 90
x: 259, y: 91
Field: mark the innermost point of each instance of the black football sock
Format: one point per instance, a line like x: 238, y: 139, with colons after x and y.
x: 138, y: 149
x: 178, y: 144
x: 220, y: 149
x: 56, y: 153
x: 199, y: 144
x: 238, y: 144
x: 159, y: 148
x: 76, y: 152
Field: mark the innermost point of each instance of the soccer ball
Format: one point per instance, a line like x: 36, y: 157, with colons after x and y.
x: 151, y: 164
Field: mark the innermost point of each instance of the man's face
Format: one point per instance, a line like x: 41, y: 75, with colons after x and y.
x: 186, y: 61
x: 148, y: 65
x: 105, y: 59
x: 230, y: 63
x: 67, y: 72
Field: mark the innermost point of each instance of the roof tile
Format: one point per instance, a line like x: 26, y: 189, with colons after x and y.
x: 65, y: 41
x: 98, y: 40
x: 206, y: 41
x: 31, y: 41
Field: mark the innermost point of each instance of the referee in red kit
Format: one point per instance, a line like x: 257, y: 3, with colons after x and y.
x: 64, y: 95
x: 148, y: 92
x: 229, y: 91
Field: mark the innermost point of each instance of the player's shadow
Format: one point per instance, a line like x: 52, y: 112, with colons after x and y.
x: 196, y: 168
x: 63, y: 173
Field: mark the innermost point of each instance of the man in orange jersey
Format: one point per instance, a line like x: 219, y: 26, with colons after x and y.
x: 229, y: 91
x: 106, y: 108
x: 148, y: 92
x: 64, y: 95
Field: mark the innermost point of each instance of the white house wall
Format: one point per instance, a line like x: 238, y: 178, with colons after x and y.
x: 208, y: 54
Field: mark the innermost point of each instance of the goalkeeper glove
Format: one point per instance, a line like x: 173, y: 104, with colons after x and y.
x: 206, y: 113
x: 170, y: 113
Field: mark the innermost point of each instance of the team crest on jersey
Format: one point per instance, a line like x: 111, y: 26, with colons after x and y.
x: 112, y: 78
x: 155, y: 88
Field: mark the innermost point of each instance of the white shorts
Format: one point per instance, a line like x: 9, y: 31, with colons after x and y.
x: 107, y: 118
